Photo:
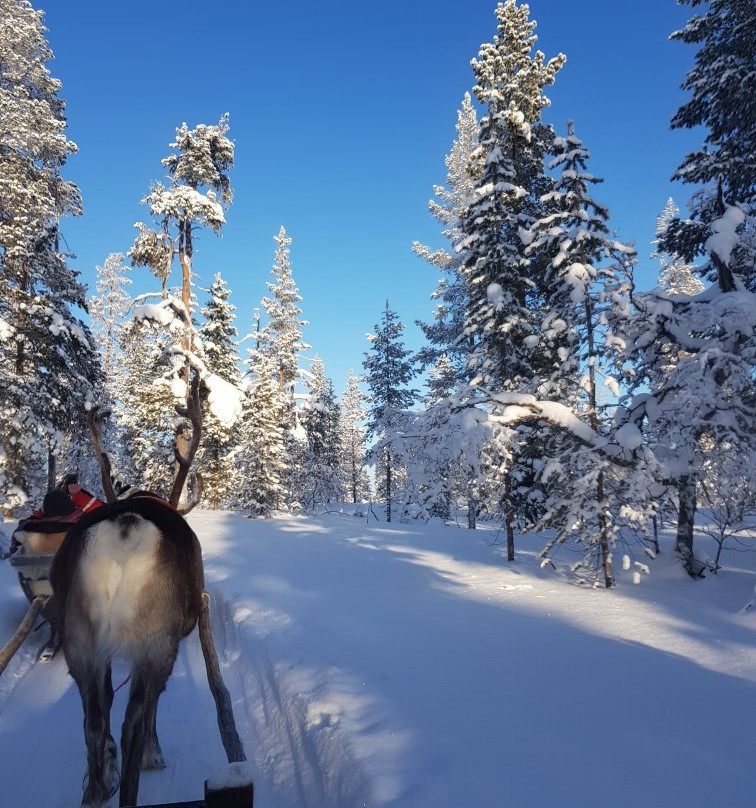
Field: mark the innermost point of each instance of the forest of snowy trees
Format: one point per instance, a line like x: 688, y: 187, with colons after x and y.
x: 556, y: 395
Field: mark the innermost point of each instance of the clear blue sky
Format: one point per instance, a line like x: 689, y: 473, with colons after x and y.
x: 342, y: 113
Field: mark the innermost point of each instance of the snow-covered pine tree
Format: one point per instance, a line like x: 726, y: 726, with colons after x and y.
x: 676, y: 276
x: 586, y: 491
x: 200, y: 190
x: 219, y: 435
x: 282, y: 335
x: 389, y: 368
x: 707, y: 397
x: 352, y: 413
x: 48, y: 362
x: 281, y: 341
x: 199, y: 171
x: 145, y: 412
x: 320, y: 478
x: 262, y: 455
x: 693, y: 363
x: 721, y: 83
x: 108, y: 309
x: 504, y: 285
x: 445, y: 333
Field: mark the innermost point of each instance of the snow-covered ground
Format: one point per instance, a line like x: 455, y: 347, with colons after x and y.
x: 409, y: 666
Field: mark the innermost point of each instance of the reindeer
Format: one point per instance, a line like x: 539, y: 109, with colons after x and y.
x: 128, y: 581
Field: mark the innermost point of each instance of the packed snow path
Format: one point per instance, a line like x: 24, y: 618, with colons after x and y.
x: 409, y: 666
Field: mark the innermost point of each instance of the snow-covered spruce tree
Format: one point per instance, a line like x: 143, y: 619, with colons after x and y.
x: 281, y: 340
x: 693, y: 364
x: 352, y: 415
x: 505, y: 287
x: 48, y: 363
x: 108, y: 309
x: 145, y: 412
x: 219, y: 433
x: 722, y: 83
x: 676, y: 276
x: 447, y: 450
x: 445, y: 334
x: 586, y: 491
x: 447, y: 351
x: 283, y: 332
x: 199, y: 191
x: 442, y: 477
x: 320, y: 474
x: 707, y: 397
x: 262, y: 454
x: 389, y: 368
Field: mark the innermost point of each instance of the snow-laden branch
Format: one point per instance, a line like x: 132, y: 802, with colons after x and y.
x: 169, y: 312
x: 224, y: 398
x: 520, y: 408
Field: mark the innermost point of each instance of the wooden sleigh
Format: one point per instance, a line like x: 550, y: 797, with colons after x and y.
x: 36, y: 544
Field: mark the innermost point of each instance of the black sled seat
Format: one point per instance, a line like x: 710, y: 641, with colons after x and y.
x: 35, y: 543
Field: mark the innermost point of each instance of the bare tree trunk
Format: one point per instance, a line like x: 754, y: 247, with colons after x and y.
x: 354, y: 474
x: 509, y: 516
x: 686, y: 492
x: 51, y: 473
x: 185, y: 250
x: 606, y: 556
x: 472, y: 507
x: 388, y: 486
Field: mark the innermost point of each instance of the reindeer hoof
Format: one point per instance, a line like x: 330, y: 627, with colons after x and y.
x: 112, y: 775
x: 153, y: 759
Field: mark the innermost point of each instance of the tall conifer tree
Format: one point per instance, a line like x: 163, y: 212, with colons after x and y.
x: 389, y: 369
x: 504, y: 285
x: 320, y: 419
x: 352, y: 416
x: 584, y: 265
x: 48, y: 362
x: 721, y: 84
x: 445, y: 334
x: 262, y: 457
x: 219, y: 437
x: 707, y: 396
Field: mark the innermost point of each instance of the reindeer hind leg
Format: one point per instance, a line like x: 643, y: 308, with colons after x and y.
x: 96, y: 693
x: 139, y: 743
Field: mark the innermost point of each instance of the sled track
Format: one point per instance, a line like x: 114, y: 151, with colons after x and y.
x: 304, y: 760
x: 301, y: 754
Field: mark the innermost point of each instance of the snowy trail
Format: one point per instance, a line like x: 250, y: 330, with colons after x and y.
x: 299, y: 762
x: 376, y: 666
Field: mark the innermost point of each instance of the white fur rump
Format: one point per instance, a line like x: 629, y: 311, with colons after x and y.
x: 119, y: 559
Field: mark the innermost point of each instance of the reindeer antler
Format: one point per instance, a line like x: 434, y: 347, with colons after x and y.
x: 95, y: 417
x: 192, y: 412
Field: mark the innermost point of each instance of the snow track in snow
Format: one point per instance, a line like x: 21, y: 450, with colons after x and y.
x: 303, y: 756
